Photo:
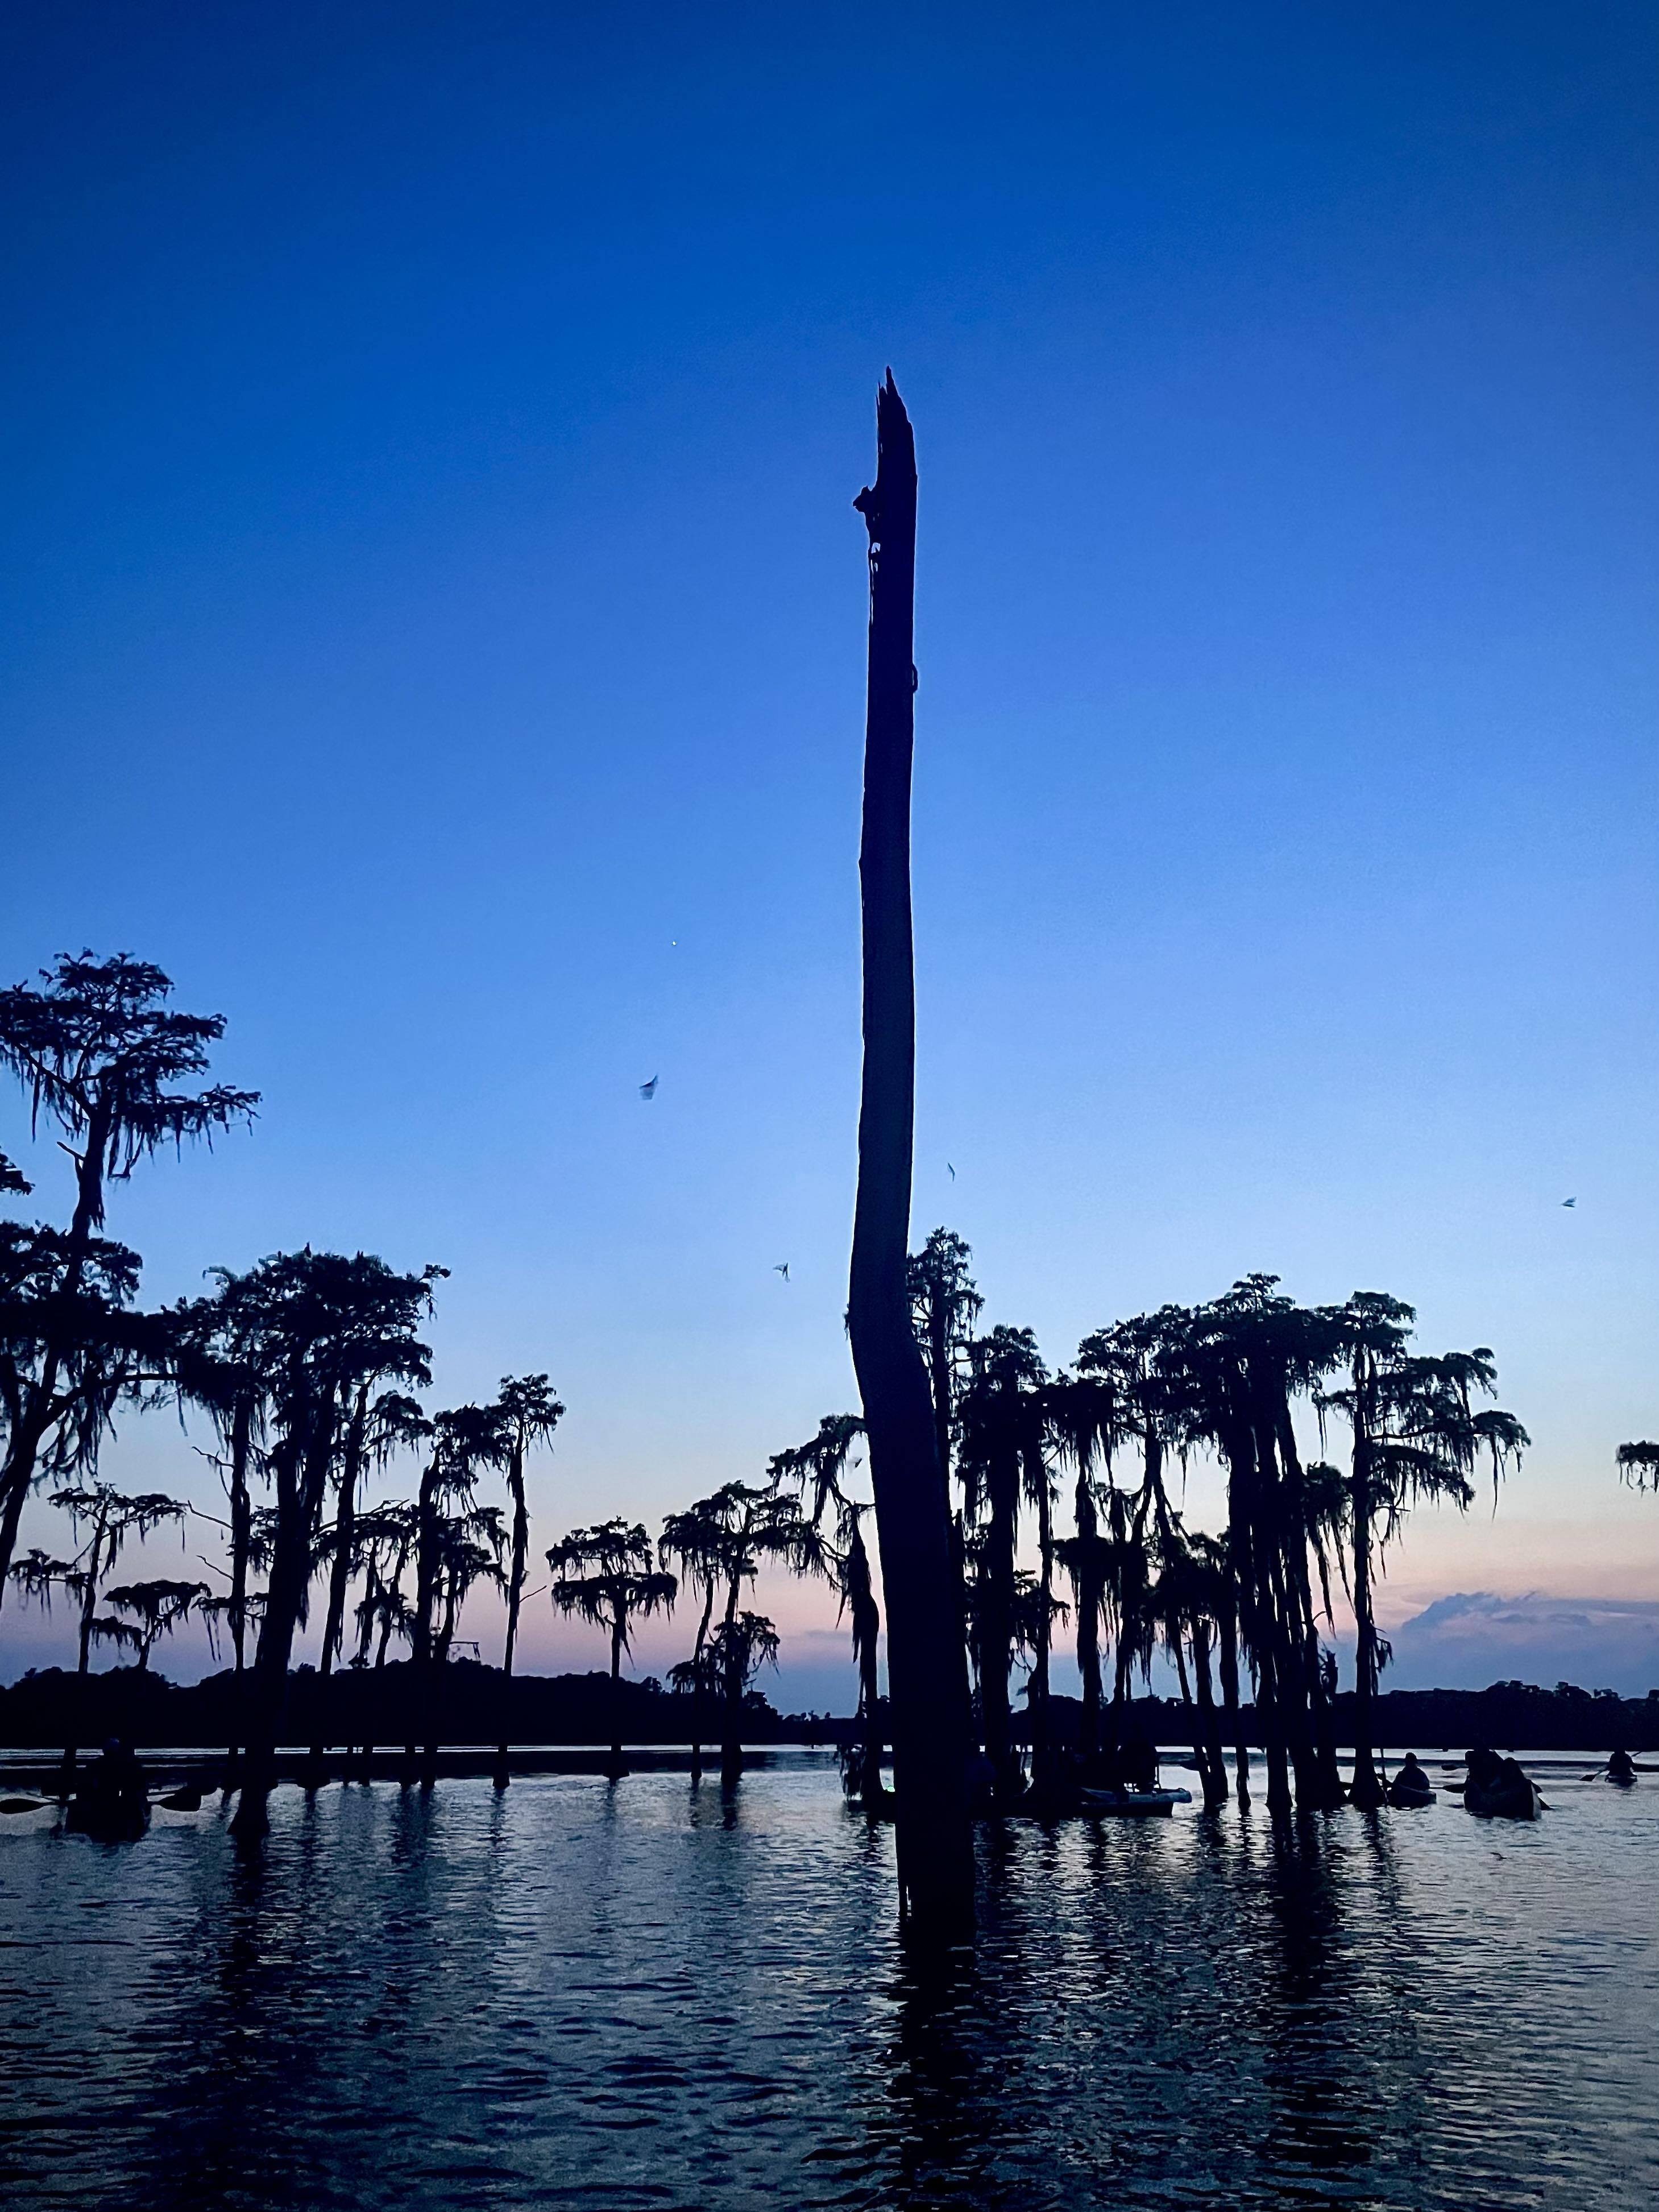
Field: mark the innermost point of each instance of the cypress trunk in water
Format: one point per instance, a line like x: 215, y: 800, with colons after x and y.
x: 926, y: 1666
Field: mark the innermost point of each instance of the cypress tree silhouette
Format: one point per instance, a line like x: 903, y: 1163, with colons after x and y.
x: 228, y: 1359
x: 604, y: 1575
x: 926, y: 1667
x: 1230, y: 1369
x: 945, y: 1304
x: 375, y: 1428
x: 387, y: 1536
x: 1415, y: 1436
x: 699, y: 1541
x: 95, y: 1050
x: 157, y: 1609
x: 455, y: 1544
x: 109, y: 1516
x: 1078, y: 1415
x: 1001, y: 1415
x: 761, y: 1528
x: 530, y: 1413
x: 326, y: 1325
x: 822, y: 1463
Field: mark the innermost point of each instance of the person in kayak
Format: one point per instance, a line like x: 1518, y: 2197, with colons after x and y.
x: 1410, y: 1775
x: 112, y: 1804
x: 1621, y: 1767
x: 1499, y: 1784
x: 1137, y: 1764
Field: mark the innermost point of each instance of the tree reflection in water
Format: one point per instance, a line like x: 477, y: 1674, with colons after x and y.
x: 625, y: 1998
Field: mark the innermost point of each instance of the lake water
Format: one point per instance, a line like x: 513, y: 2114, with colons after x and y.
x: 644, y: 1997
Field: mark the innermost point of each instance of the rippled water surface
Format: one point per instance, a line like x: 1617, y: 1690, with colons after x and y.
x: 642, y: 1996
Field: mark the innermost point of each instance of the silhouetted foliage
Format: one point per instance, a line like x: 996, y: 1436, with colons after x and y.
x: 529, y: 1412
x: 324, y: 1327
x: 606, y: 1575
x: 96, y: 1050
x: 151, y: 1610
x: 1415, y: 1436
x: 820, y: 1467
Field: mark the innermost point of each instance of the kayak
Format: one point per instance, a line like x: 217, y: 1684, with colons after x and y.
x: 1504, y: 1801
x: 1142, y: 1801
x: 1405, y: 1794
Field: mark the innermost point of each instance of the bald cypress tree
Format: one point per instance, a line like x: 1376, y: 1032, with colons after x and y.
x: 99, y: 1051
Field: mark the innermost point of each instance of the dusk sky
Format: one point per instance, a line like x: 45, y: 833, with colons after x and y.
x: 434, y: 635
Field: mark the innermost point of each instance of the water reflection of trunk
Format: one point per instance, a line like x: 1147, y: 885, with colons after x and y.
x: 1331, y: 2116
x: 939, y: 2123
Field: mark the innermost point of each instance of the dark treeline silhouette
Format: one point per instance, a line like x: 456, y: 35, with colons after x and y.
x: 383, y: 1705
x: 469, y: 1703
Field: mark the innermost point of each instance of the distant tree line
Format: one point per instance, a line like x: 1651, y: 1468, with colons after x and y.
x: 579, y: 1712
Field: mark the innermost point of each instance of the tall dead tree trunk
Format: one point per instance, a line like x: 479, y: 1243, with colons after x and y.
x: 926, y: 1666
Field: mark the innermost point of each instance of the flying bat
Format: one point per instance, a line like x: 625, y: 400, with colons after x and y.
x: 782, y: 1268
x: 648, y: 1089
x: 1570, y: 1201
x: 949, y: 1170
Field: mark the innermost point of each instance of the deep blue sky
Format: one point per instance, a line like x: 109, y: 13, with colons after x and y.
x: 434, y: 632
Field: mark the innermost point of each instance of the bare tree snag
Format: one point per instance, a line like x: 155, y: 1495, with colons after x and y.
x: 927, y: 1665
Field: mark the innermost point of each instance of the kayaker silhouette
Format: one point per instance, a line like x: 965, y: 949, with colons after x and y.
x: 111, y: 1804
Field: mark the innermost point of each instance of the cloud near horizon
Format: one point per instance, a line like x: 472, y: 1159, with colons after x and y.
x: 1464, y: 1641
x: 1473, y: 1637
